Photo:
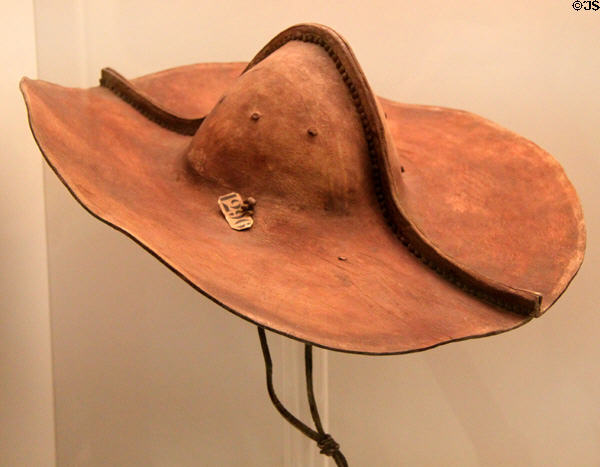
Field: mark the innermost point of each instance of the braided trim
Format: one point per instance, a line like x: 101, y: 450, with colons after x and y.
x: 125, y: 90
x: 515, y: 300
x: 529, y: 303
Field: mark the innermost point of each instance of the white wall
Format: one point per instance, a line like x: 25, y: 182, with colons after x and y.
x: 26, y: 415
x: 148, y: 372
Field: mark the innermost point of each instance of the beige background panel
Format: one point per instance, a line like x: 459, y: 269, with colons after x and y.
x: 26, y: 412
x: 148, y: 372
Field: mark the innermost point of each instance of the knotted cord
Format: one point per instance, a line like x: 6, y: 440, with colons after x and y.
x: 326, y: 443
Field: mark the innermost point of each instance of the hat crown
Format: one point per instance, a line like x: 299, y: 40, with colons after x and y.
x: 287, y: 128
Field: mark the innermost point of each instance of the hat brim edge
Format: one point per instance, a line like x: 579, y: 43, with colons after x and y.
x: 24, y: 83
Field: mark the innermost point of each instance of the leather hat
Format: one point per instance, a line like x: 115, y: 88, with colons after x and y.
x: 286, y: 191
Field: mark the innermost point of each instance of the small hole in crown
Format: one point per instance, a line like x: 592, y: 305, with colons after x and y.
x: 255, y: 116
x: 312, y: 131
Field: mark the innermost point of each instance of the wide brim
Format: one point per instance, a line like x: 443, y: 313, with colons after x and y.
x: 353, y: 286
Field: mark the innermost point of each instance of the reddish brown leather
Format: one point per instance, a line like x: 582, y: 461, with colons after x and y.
x: 275, y: 155
x: 297, y: 63
x: 312, y: 210
x: 465, y: 192
x: 145, y: 104
x: 488, y: 190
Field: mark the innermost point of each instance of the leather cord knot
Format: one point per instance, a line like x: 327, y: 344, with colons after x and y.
x: 328, y: 445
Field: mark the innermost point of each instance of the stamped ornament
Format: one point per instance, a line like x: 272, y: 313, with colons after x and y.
x: 237, y: 212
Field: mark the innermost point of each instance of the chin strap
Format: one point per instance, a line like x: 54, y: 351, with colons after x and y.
x: 324, y: 440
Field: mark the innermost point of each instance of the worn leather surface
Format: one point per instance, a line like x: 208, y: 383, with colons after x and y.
x: 486, y: 198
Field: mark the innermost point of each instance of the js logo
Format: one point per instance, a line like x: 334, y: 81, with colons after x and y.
x: 587, y: 5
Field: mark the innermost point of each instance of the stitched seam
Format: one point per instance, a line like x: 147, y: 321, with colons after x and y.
x: 153, y: 117
x: 373, y: 156
x: 376, y: 173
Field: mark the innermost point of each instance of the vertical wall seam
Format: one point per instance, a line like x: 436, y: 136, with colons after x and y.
x: 42, y: 188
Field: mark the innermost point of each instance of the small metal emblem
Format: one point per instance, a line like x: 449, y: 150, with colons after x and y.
x: 236, y: 211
